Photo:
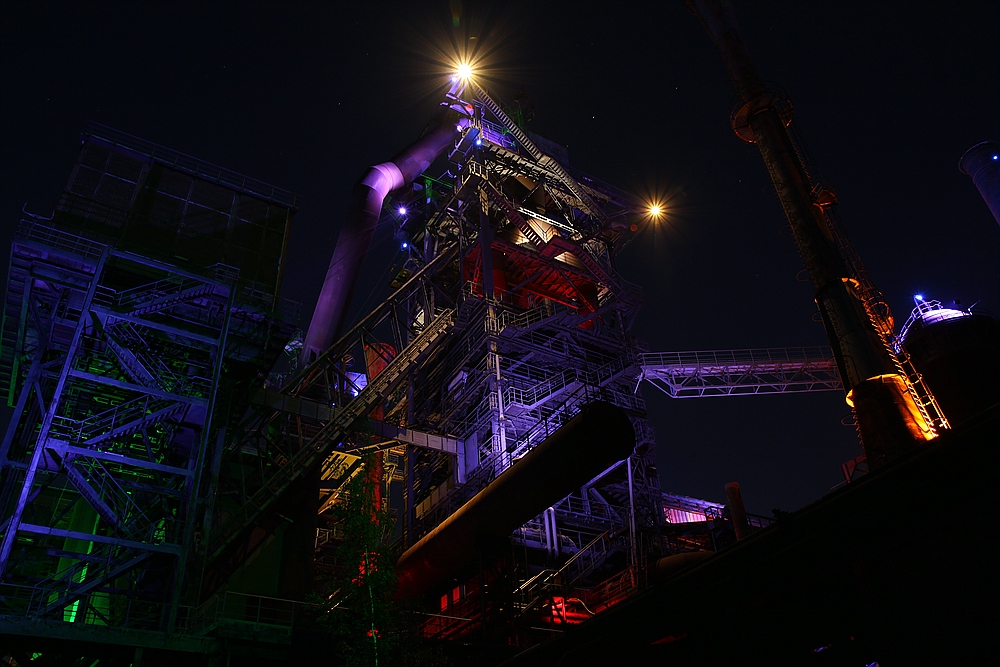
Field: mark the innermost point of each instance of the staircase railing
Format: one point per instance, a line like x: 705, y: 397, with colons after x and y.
x: 584, y: 561
x: 319, y: 446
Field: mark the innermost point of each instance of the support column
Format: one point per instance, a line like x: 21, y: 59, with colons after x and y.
x: 737, y: 513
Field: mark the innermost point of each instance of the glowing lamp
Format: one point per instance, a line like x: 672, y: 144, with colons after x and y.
x: 405, y: 245
x: 401, y: 210
x: 464, y: 71
x: 918, y: 297
x: 655, y: 210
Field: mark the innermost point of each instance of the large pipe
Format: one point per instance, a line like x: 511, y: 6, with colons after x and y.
x: 888, y: 418
x: 982, y: 163
x: 363, y: 214
x: 594, y: 440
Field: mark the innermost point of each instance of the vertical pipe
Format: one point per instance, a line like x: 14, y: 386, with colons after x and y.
x: 737, y: 512
x: 486, y: 250
x: 409, y: 472
x: 377, y: 358
x: 634, y: 555
x: 408, y: 491
x: 982, y: 163
x: 551, y: 534
x: 187, y: 555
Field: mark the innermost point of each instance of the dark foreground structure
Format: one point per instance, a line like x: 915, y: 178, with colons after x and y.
x: 176, y: 470
x: 894, y: 569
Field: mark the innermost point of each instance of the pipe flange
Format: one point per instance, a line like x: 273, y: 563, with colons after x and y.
x: 740, y: 117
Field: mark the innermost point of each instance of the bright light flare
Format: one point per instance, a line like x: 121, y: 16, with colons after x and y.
x: 464, y: 71
x: 655, y: 210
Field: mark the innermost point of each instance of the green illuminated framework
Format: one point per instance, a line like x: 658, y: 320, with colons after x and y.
x: 137, y: 321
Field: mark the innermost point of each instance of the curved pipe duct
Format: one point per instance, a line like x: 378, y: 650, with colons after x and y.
x: 594, y: 440
x: 355, y: 236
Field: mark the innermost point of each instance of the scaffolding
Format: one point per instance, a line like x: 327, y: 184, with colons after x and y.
x: 543, y: 325
x: 158, y: 451
x: 508, y: 315
x: 138, y: 320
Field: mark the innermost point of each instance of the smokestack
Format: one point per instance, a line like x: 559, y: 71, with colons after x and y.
x: 982, y: 163
x: 888, y: 417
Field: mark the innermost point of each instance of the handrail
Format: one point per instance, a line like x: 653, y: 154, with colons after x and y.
x: 322, y: 442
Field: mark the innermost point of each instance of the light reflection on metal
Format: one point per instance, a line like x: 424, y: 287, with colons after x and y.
x: 928, y: 311
x: 741, y: 372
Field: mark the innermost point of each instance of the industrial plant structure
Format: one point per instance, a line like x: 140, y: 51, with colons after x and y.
x: 176, y: 456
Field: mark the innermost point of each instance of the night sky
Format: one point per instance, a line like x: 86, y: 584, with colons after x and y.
x: 887, y: 95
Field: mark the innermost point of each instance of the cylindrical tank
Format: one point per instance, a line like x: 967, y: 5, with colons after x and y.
x: 594, y: 440
x: 958, y: 355
x: 982, y: 163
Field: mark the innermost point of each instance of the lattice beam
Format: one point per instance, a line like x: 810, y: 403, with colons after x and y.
x: 741, y: 372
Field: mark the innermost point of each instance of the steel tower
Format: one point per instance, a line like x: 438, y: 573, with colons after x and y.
x: 167, y: 484
x: 137, y: 321
x: 508, y: 316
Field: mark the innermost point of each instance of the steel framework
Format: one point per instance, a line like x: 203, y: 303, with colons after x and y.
x: 741, y: 372
x: 152, y: 456
x: 125, y: 371
x: 508, y: 315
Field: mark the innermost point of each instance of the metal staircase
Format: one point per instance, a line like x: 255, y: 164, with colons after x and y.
x: 512, y: 214
x: 543, y: 159
x: 141, y: 362
x: 317, y: 448
x: 161, y: 294
x: 122, y: 420
x: 105, y: 464
x: 547, y: 582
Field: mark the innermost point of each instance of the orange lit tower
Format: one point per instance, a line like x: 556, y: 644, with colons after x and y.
x: 511, y: 324
x: 894, y: 411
